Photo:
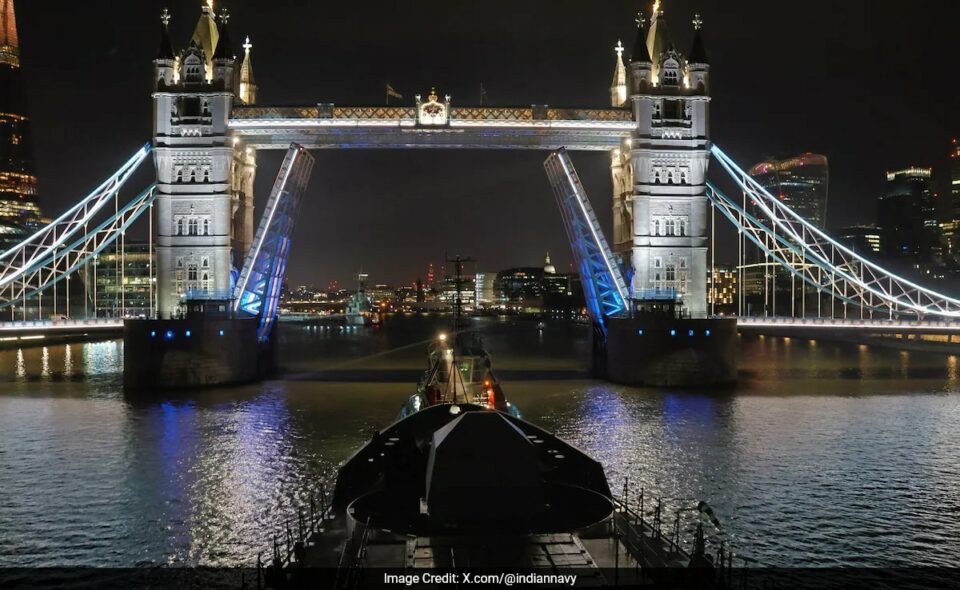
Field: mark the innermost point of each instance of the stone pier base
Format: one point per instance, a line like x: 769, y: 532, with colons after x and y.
x: 194, y: 352
x: 662, y: 351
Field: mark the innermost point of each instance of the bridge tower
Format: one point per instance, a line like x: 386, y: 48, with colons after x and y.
x: 660, y: 203
x: 204, y: 209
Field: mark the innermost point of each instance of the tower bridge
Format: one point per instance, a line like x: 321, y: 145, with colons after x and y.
x: 645, y: 280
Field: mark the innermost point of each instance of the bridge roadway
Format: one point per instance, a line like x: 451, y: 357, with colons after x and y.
x: 329, y: 126
x: 32, y: 332
x: 942, y: 336
x: 22, y: 332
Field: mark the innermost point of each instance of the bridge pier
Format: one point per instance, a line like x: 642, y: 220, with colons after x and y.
x: 657, y: 350
x: 206, y: 348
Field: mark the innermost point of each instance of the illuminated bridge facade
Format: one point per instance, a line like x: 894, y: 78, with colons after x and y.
x: 330, y: 126
x: 208, y: 129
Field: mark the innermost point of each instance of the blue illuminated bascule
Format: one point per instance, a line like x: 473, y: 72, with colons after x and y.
x: 636, y: 341
x: 221, y: 341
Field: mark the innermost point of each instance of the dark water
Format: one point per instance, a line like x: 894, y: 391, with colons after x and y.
x: 823, y: 455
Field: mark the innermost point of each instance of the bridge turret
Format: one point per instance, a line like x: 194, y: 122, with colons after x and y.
x: 224, y: 59
x: 165, y: 65
x: 641, y: 66
x: 668, y: 154
x: 698, y: 66
x: 618, y: 89
x: 203, y: 201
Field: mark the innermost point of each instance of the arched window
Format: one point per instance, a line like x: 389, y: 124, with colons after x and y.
x: 206, y: 227
x: 670, y: 227
x: 180, y: 226
x: 193, y: 226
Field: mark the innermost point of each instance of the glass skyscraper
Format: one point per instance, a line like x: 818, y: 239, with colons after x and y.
x: 801, y: 182
x: 19, y: 209
x: 950, y: 229
x: 907, y: 216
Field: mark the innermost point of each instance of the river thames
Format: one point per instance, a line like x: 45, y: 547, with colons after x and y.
x: 823, y: 455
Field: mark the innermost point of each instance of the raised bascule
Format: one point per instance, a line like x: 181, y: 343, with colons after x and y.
x: 214, y: 304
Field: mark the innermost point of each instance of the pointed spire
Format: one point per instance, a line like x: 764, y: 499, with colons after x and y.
x: 248, y: 86
x: 698, y: 55
x: 620, y: 72
x: 618, y: 89
x: 206, y: 35
x: 9, y: 40
x: 640, y: 52
x: 658, y: 39
x: 166, y: 47
x: 224, y: 45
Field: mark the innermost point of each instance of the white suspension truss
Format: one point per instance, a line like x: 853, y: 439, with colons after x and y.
x: 27, y: 256
x: 63, y: 260
x: 809, y: 253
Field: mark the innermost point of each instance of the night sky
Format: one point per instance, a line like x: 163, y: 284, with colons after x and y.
x: 871, y: 84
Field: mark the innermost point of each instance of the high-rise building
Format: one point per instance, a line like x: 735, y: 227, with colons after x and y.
x: 865, y: 240
x: 125, y: 283
x: 907, y: 217
x: 19, y: 207
x: 519, y: 285
x: 486, y: 294
x: 950, y: 229
x: 722, y: 289
x: 801, y: 182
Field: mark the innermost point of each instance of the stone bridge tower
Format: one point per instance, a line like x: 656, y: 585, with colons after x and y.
x: 659, y: 173
x: 204, y: 208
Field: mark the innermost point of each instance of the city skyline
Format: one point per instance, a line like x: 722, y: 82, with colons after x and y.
x: 424, y: 204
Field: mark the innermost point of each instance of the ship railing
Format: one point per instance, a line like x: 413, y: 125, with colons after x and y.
x: 353, y: 557
x: 640, y: 527
x: 289, y: 545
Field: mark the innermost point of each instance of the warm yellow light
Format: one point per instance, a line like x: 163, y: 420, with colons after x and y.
x: 656, y: 8
x: 210, y: 4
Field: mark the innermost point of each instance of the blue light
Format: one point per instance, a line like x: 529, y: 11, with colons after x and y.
x: 707, y: 332
x: 221, y: 332
x: 169, y: 335
x: 153, y: 333
x: 690, y: 333
x: 673, y: 332
x: 640, y: 333
x: 187, y: 333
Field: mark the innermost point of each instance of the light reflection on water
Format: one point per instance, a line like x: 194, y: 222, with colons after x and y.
x: 824, y: 454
